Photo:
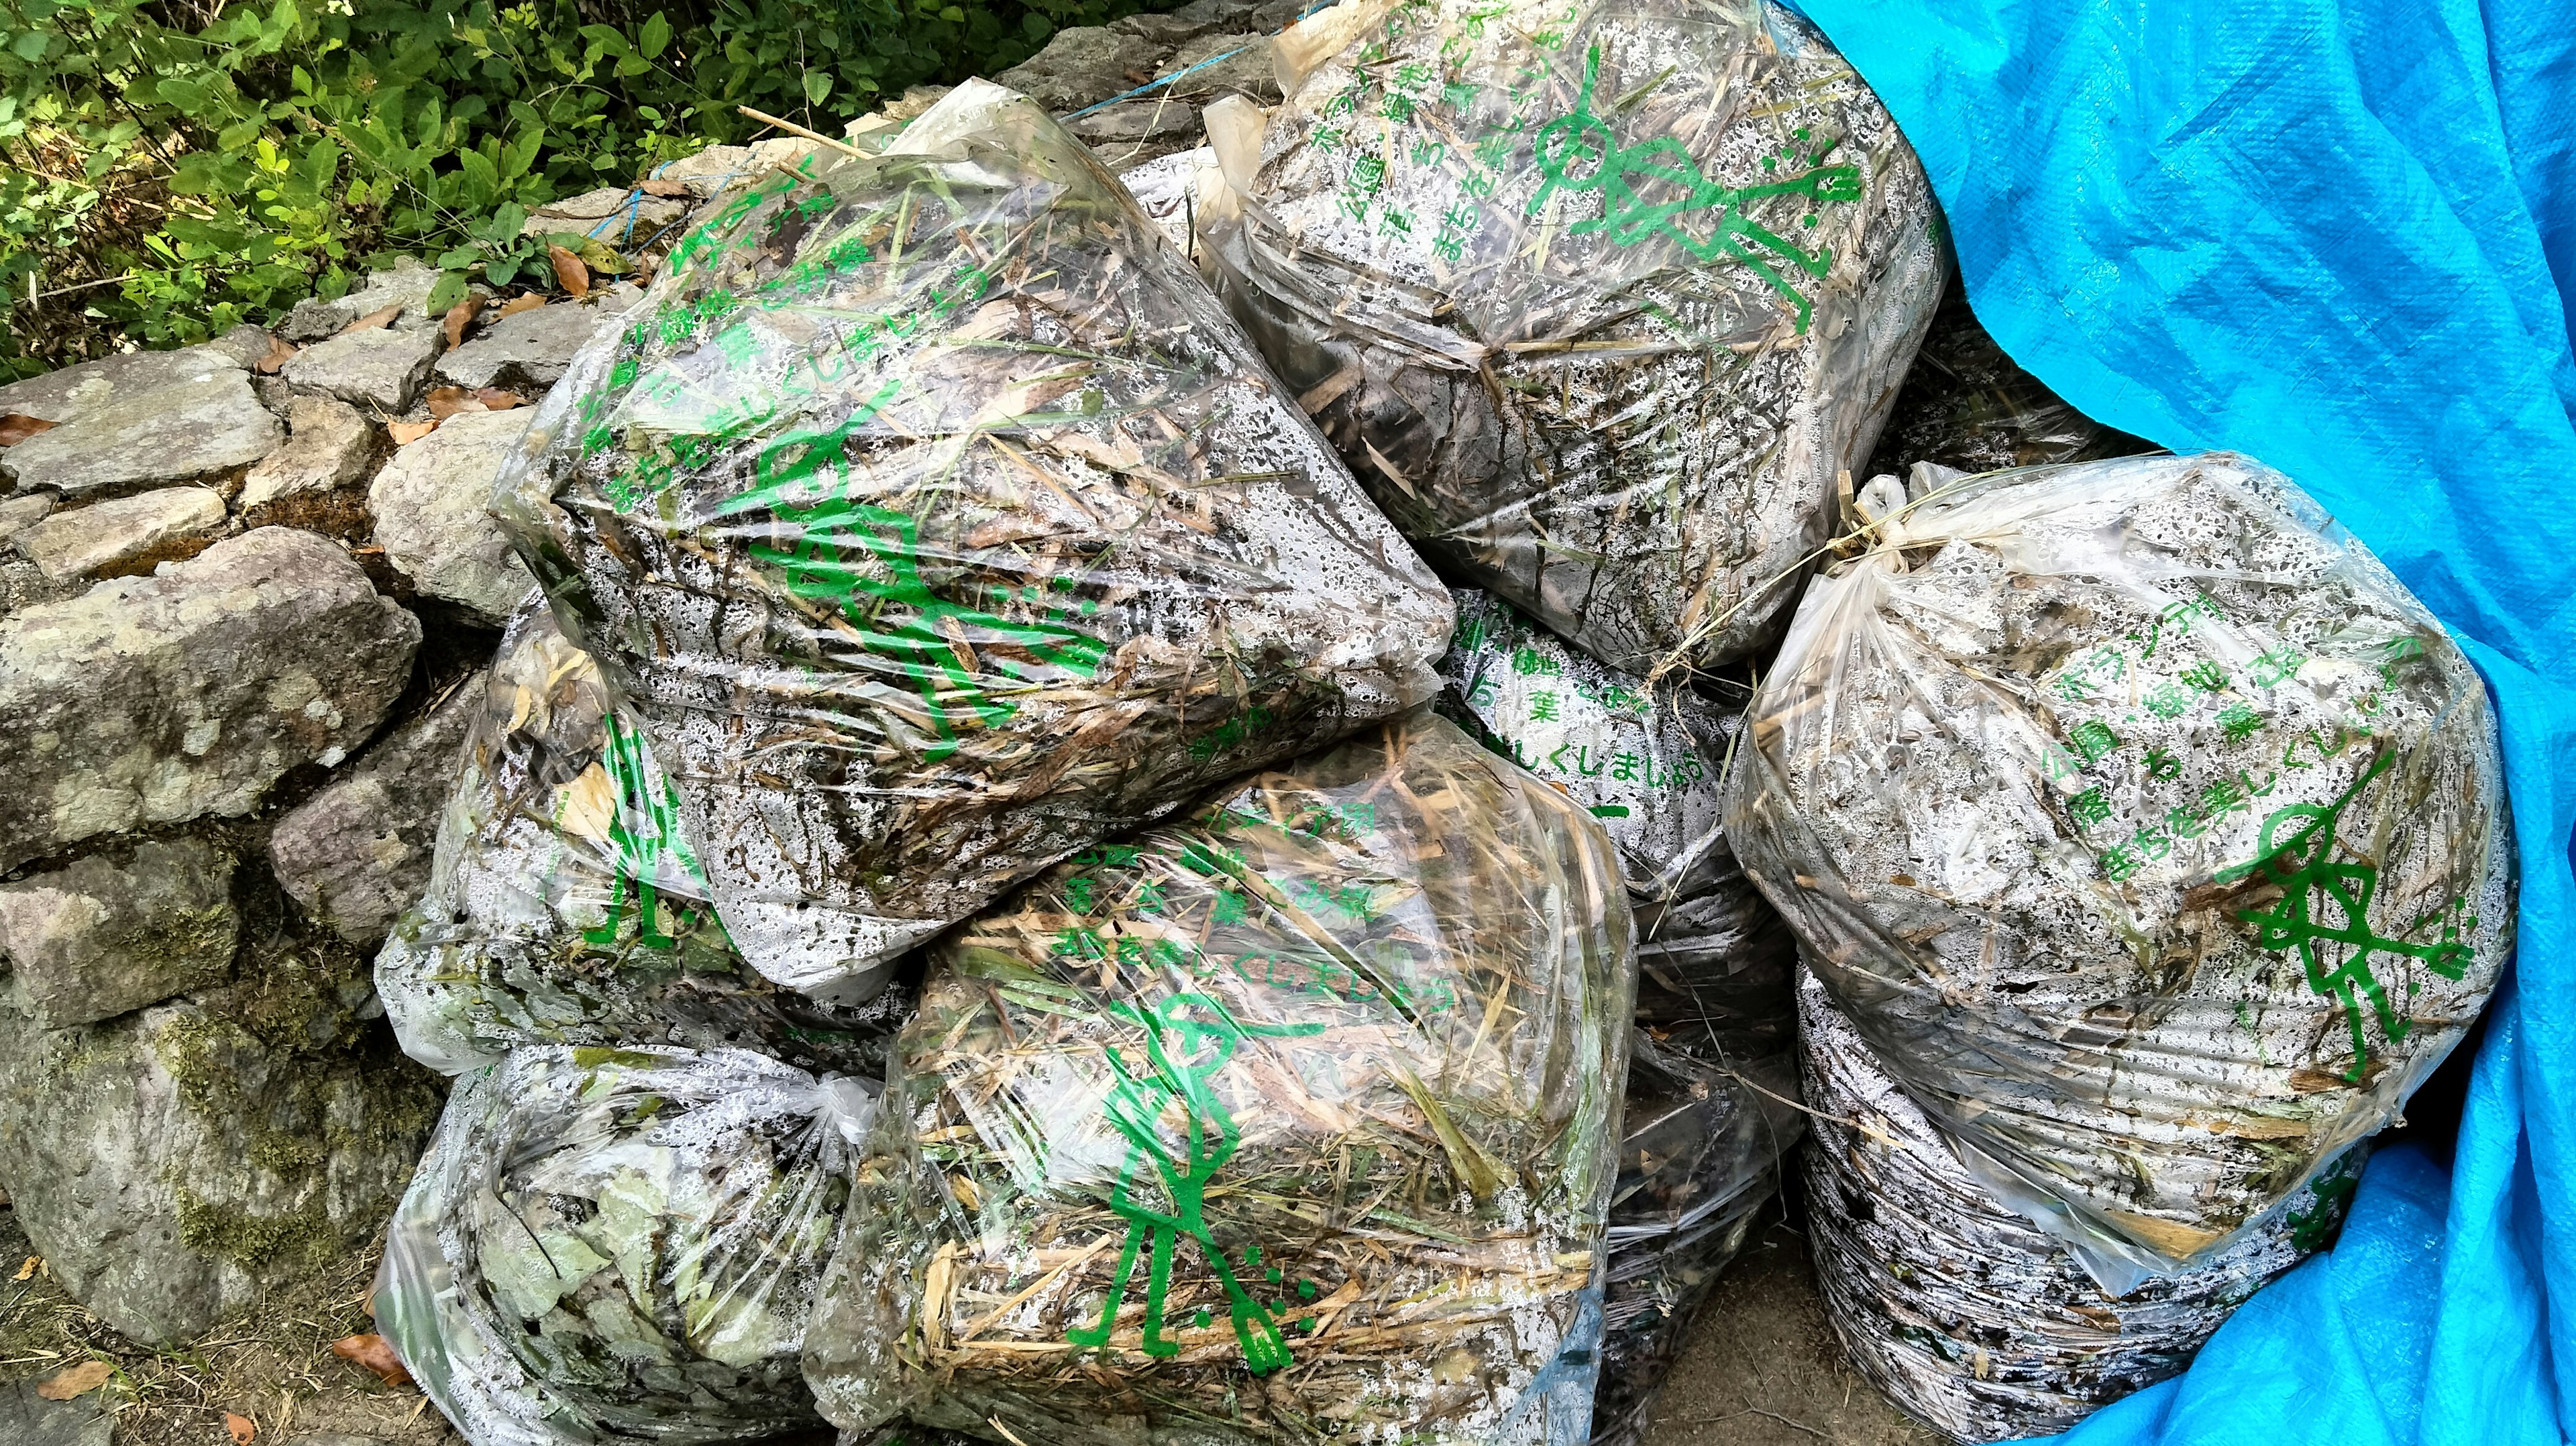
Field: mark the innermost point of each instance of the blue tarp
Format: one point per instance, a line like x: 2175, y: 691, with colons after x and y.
x: 2341, y: 238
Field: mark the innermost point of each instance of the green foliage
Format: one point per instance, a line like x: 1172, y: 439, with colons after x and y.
x: 188, y: 165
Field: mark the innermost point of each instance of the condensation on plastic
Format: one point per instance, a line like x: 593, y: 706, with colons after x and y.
x: 621, y: 1245
x: 1298, y: 1114
x: 1968, y: 407
x: 1950, y: 1300
x: 1700, y: 1153
x: 937, y: 523
x: 2145, y: 826
x: 1599, y: 300
x: 566, y: 904
x: 1713, y: 957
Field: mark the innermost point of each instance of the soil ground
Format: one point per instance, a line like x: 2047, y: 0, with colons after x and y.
x: 1761, y: 1369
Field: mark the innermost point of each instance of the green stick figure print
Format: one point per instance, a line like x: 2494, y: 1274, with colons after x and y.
x: 2327, y: 902
x: 639, y: 854
x: 1188, y: 1038
x: 899, y: 617
x: 1629, y: 218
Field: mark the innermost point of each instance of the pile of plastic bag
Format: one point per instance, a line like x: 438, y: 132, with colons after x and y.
x: 993, y: 895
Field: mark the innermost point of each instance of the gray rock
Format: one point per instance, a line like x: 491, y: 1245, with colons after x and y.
x: 430, y: 503
x: 125, y: 536
x: 160, y: 699
x: 1138, y: 120
x: 245, y: 346
x: 356, y: 854
x: 407, y: 284
x: 97, y: 939
x: 1165, y: 30
x: 614, y: 214
x: 75, y: 391
x: 171, y: 1164
x: 528, y: 350
x: 17, y: 514
x: 27, y: 1419
x: 206, y: 428
x: 1267, y: 17
x: 710, y: 170
x: 314, y: 480
x: 381, y: 367
x: 1245, y: 69
x: 1083, y: 66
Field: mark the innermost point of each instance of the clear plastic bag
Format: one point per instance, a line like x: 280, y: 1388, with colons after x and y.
x: 1600, y: 301
x: 1294, y: 1119
x: 1700, y: 1154
x: 621, y: 1245
x: 567, y: 905
x: 1649, y: 762
x: 1971, y: 1318
x: 2145, y: 826
x: 937, y: 523
x: 1968, y: 407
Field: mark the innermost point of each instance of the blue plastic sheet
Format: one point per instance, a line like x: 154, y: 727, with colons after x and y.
x: 2341, y: 238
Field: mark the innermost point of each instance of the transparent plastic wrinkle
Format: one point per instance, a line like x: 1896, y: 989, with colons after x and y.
x: 1966, y: 406
x: 936, y: 523
x: 1972, y: 1319
x: 606, y: 1245
x: 2045, y: 785
x: 566, y: 902
x: 1649, y: 762
x: 1300, y: 1112
x: 1599, y: 301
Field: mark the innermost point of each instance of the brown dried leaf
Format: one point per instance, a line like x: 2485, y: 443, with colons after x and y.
x: 374, y: 319
x: 280, y: 352
x: 524, y: 301
x: 495, y: 399
x: 376, y: 1354
x: 28, y: 1269
x: 16, y: 427
x: 242, y: 1427
x: 406, y: 433
x: 460, y: 316
x: 667, y: 190
x: 87, y: 1376
x: 570, y: 273
x: 445, y: 402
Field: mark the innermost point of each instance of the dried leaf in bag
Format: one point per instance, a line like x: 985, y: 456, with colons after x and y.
x: 1649, y: 762
x: 621, y: 1245
x: 1700, y: 1154
x: 2145, y: 825
x: 938, y: 524
x: 1291, y: 1120
x: 1599, y: 301
x: 1968, y: 1316
x: 567, y: 904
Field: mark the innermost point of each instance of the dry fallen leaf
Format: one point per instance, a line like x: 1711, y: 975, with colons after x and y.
x: 374, y: 319
x: 241, y: 1426
x: 569, y: 272
x: 28, y: 1269
x: 524, y: 301
x: 87, y: 1376
x: 16, y: 427
x: 667, y: 190
x: 494, y: 399
x: 376, y: 1354
x: 280, y: 352
x: 459, y: 317
x: 406, y: 433
x: 445, y: 402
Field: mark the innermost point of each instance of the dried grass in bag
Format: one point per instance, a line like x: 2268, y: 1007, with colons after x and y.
x: 1599, y: 301
x: 567, y: 904
x: 1972, y: 1319
x: 1701, y: 1152
x: 937, y: 524
x: 610, y: 1245
x: 1294, y: 1119
x: 1713, y: 957
x: 1968, y: 407
x: 2146, y: 828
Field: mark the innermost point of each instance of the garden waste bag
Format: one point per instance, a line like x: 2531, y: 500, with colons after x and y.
x: 2341, y: 239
